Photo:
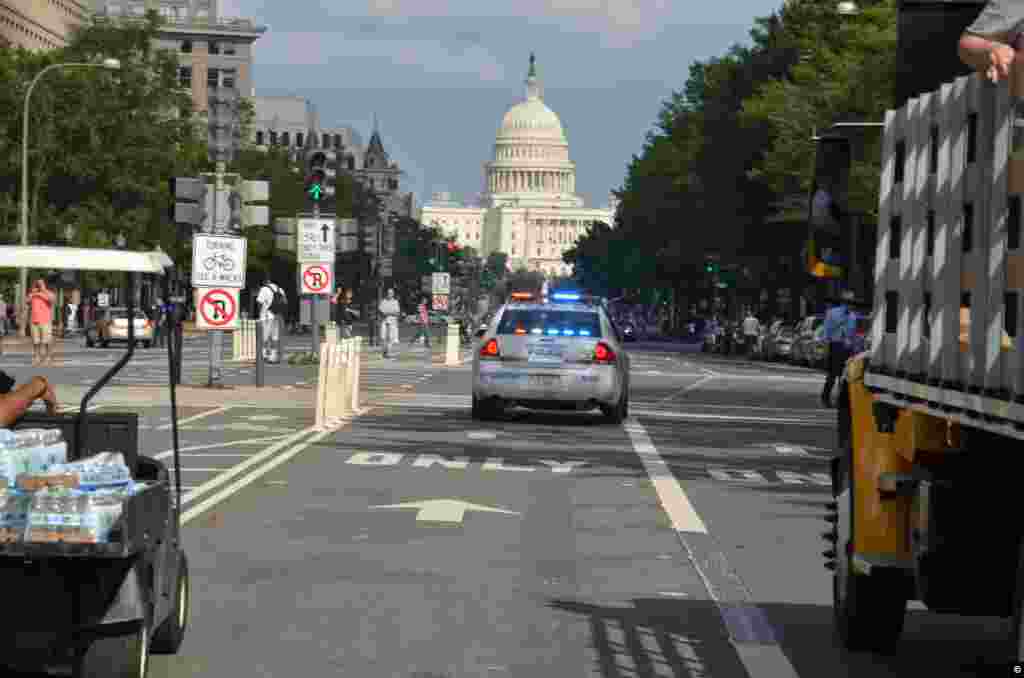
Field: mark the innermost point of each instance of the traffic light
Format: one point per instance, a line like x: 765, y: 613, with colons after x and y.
x: 316, y: 179
x: 193, y: 201
x: 710, y: 267
x: 827, y: 227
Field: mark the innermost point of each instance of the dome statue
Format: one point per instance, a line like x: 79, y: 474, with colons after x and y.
x: 531, y: 118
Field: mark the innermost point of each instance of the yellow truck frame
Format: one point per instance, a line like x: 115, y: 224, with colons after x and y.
x: 929, y: 464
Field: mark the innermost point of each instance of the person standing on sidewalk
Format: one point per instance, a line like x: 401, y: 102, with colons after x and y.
x: 840, y: 323
x: 751, y: 328
x: 389, y: 313
x: 40, y: 302
x: 3, y: 316
x: 273, y: 305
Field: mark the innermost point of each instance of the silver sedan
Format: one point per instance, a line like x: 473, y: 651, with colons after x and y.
x: 551, y: 356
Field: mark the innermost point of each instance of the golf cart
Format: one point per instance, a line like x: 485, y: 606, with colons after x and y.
x: 100, y: 607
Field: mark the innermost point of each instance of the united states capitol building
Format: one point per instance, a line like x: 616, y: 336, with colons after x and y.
x: 529, y: 208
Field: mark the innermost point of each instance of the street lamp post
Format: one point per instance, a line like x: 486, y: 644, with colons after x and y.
x: 109, y: 64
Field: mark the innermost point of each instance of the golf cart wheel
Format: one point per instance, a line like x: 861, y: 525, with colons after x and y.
x: 89, y: 343
x: 104, y: 343
x: 124, y: 656
x: 168, y: 636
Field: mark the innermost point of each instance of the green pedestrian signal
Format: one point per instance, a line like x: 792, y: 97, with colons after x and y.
x: 315, y: 191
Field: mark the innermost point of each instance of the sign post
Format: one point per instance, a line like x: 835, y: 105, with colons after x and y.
x: 315, y: 250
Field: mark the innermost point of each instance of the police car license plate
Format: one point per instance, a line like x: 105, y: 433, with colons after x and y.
x: 544, y: 379
x: 546, y: 354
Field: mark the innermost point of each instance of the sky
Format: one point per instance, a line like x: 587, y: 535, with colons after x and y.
x: 439, y: 76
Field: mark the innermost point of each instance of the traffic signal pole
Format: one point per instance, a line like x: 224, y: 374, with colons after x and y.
x: 216, y: 337
x: 313, y: 323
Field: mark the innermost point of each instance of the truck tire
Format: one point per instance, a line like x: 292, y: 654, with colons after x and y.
x: 167, y: 638
x: 869, y: 610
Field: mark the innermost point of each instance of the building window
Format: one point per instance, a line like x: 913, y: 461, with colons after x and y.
x: 229, y: 78
x: 214, y: 47
x: 326, y: 141
x: 212, y: 77
x: 351, y: 163
x: 284, y: 138
x: 185, y: 76
x: 229, y: 49
x: 186, y: 46
x: 298, y: 139
x: 273, y: 138
x: 259, y: 138
x: 337, y: 141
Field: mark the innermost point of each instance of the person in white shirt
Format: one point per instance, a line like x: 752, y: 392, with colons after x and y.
x: 389, y: 312
x: 751, y: 329
x: 271, y: 320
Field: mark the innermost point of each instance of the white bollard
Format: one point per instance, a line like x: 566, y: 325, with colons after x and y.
x: 357, y: 353
x: 340, y: 381
x: 250, y: 340
x: 321, y: 387
x: 331, y: 333
x: 452, y: 346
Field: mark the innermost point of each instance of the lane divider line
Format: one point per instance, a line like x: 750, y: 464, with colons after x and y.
x: 750, y: 632
x: 228, y: 443
x: 254, y: 460
x: 196, y: 417
x: 252, y: 477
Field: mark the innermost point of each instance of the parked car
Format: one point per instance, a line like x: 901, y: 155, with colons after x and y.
x: 801, y: 353
x: 779, y: 334
x: 817, y: 353
x: 112, y: 326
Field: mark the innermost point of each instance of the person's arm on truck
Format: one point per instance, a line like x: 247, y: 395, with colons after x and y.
x: 986, y: 45
x: 14, y: 404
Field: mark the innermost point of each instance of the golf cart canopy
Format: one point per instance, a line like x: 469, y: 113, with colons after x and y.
x: 83, y: 259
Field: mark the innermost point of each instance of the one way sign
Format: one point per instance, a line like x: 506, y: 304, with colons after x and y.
x: 316, y: 240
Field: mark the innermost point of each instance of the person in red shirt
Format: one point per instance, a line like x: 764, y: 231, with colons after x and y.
x: 40, y: 301
x: 424, y: 328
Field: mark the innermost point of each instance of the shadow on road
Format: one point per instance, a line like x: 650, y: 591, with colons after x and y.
x: 687, y: 639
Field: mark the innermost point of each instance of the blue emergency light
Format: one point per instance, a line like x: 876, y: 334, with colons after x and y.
x: 566, y: 296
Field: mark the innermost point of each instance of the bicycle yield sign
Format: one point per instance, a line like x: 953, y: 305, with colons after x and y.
x: 316, y: 278
x: 218, y: 260
x: 217, y: 308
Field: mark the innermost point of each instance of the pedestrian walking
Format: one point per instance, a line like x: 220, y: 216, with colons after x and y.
x: 40, y: 302
x: 840, y: 325
x: 3, y: 316
x: 389, y: 313
x: 273, y: 306
x: 423, y: 328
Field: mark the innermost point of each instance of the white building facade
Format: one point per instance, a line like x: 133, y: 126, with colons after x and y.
x: 530, y: 209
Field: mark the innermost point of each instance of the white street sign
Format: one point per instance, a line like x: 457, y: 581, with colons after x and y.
x: 316, y: 278
x: 103, y: 300
x: 316, y: 240
x: 441, y: 283
x: 218, y: 260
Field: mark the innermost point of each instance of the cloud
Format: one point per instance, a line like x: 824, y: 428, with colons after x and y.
x: 429, y: 56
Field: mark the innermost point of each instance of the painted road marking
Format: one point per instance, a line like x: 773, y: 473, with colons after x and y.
x: 254, y: 460
x: 481, y: 435
x: 213, y: 446
x: 750, y: 632
x: 732, y: 475
x: 265, y: 417
x: 460, y: 463
x: 195, y: 417
x: 675, y: 502
x: 252, y: 477
x: 443, y: 510
x: 238, y: 426
x: 708, y: 376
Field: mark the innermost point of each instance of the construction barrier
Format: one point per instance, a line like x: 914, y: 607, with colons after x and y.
x: 453, y: 345
x: 338, y: 381
x: 244, y: 339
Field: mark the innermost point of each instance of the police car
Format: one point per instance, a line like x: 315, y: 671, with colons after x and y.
x: 560, y: 352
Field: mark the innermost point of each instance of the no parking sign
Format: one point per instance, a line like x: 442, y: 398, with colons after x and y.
x: 316, y: 278
x: 217, y: 308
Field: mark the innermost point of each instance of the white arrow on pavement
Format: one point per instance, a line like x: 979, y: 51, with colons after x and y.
x: 443, y: 510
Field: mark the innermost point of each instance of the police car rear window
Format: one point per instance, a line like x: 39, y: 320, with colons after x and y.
x: 545, y: 322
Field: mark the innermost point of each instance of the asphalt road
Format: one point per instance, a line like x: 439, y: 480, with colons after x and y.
x: 417, y: 543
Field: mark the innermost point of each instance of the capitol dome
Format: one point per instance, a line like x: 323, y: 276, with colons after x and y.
x: 531, y: 153
x: 531, y: 119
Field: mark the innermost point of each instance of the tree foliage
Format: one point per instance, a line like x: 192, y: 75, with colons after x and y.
x: 733, y: 145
